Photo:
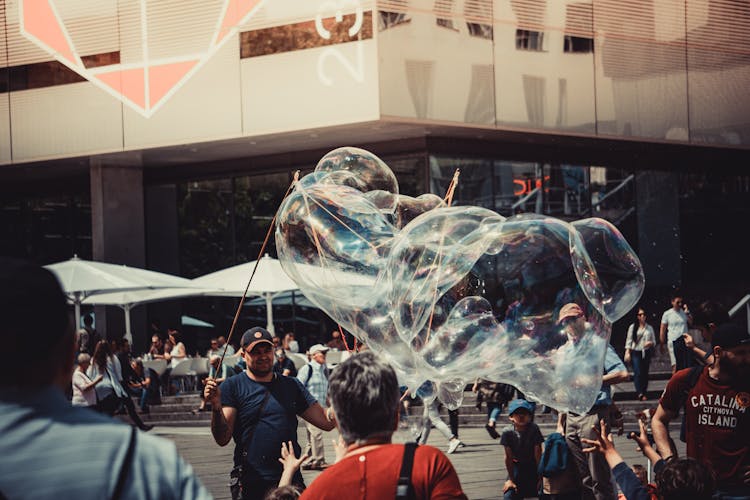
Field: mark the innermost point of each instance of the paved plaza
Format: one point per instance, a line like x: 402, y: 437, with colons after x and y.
x: 479, y: 464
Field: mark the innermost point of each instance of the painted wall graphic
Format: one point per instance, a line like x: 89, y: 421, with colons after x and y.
x: 152, y: 73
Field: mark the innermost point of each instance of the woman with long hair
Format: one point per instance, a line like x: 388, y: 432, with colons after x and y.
x: 638, y: 347
x: 108, y: 391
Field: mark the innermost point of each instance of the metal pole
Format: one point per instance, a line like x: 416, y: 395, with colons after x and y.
x: 269, y: 313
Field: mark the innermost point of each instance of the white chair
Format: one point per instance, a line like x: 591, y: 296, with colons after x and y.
x: 200, y: 366
x: 182, y: 372
x: 158, y: 365
x: 231, y: 361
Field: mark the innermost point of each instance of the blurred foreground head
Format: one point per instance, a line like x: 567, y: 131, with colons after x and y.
x: 364, y: 395
x: 683, y: 478
x: 34, y: 318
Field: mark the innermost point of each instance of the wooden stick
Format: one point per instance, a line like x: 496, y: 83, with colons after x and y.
x: 295, y: 179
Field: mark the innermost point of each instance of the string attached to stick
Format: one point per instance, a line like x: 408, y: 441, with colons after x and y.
x: 295, y: 179
x: 449, y: 201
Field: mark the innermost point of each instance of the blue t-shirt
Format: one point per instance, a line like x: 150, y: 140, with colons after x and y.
x: 277, y: 424
x: 522, y: 443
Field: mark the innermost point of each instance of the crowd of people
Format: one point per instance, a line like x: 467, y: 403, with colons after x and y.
x: 47, y: 441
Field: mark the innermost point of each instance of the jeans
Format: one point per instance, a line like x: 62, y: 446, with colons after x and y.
x: 493, y: 411
x: 641, y: 361
x: 526, y: 482
x: 453, y: 421
x: 431, y: 417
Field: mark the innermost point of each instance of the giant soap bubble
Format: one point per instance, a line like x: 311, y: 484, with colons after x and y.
x: 450, y: 294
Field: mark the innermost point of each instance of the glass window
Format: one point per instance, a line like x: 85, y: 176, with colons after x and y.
x: 205, y: 226
x: 530, y: 40
x: 46, y: 229
x: 578, y: 44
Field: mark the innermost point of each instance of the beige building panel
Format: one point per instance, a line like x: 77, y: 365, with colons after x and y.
x: 205, y: 107
x: 64, y: 121
x: 310, y: 88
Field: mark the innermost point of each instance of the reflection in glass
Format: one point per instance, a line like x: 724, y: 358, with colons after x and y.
x: 46, y: 228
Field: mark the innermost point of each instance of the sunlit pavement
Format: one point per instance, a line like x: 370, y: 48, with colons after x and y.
x: 479, y: 464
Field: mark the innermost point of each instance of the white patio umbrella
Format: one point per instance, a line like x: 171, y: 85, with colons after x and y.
x: 129, y: 299
x: 81, y: 278
x: 269, y: 281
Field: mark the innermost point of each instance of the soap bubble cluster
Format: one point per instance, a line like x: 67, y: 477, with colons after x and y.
x: 451, y: 294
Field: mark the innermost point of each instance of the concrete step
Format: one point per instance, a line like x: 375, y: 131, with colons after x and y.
x: 176, y: 410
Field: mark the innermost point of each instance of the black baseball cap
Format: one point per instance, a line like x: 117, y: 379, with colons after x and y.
x: 730, y: 335
x: 255, y: 336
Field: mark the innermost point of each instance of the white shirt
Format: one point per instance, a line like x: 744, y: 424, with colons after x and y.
x: 82, y: 397
x: 180, y: 347
x: 676, y: 322
x: 642, y: 335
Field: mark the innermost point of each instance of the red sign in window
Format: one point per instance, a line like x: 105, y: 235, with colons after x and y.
x: 525, y: 186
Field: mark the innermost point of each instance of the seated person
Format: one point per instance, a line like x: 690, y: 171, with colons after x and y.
x: 283, y: 365
x: 144, y: 383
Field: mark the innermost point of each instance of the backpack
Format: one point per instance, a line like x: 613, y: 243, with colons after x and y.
x: 555, y: 456
x: 310, y: 371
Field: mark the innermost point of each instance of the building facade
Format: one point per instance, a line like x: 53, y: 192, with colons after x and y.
x: 164, y: 134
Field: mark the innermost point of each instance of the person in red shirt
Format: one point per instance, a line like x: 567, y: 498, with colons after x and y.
x: 364, y: 398
x: 716, y: 408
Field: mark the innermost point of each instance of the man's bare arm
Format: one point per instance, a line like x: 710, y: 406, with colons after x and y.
x: 317, y: 416
x: 615, y: 377
x: 222, y: 418
x: 222, y: 424
x: 660, y: 428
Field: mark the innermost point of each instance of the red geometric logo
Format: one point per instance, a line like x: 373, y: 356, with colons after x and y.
x: 147, y: 82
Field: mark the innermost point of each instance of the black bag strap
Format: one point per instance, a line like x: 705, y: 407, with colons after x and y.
x: 266, y: 397
x: 404, y: 488
x: 126, y: 466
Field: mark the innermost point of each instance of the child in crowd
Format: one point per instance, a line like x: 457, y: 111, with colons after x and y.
x: 286, y: 490
x: 676, y: 478
x: 523, y: 449
x: 642, y: 475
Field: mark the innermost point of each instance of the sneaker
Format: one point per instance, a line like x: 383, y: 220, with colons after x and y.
x: 453, y: 445
x: 491, y: 431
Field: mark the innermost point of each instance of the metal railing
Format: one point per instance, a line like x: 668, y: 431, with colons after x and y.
x: 744, y: 302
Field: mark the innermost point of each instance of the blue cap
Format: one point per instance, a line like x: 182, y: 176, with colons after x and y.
x: 517, y: 404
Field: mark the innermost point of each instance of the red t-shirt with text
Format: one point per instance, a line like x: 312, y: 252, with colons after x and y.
x: 373, y: 474
x: 717, y: 427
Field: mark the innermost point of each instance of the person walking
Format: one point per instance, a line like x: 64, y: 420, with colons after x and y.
x: 49, y: 449
x: 314, y: 377
x: 259, y: 411
x: 495, y: 395
x: 674, y: 324
x: 639, y: 343
x: 430, y: 418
